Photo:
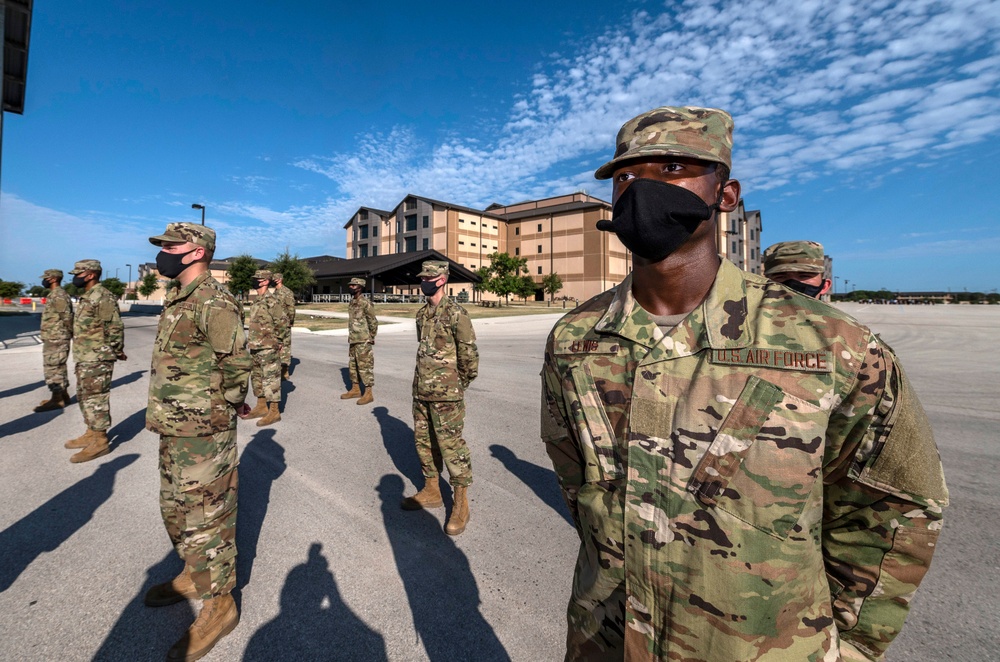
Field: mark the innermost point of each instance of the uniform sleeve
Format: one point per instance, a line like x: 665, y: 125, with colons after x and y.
x: 223, y: 327
x: 279, y: 315
x: 555, y: 432
x: 291, y: 309
x: 465, y: 349
x: 884, y: 496
x: 372, y: 321
x: 114, y: 329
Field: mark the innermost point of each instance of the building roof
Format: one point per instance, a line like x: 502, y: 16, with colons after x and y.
x: 16, y: 32
x: 555, y: 209
x: 392, y: 269
x: 321, y: 258
x: 379, y: 212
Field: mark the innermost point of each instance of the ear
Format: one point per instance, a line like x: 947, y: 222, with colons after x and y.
x: 826, y: 287
x: 730, y: 195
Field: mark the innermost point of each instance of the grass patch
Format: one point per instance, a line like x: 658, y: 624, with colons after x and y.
x: 319, y: 323
x: 475, y: 311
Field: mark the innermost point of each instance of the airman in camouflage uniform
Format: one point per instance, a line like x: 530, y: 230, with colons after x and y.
x: 287, y: 299
x: 749, y: 470
x: 268, y: 326
x: 98, y: 341
x: 56, y: 332
x: 197, y: 385
x: 799, y: 266
x: 362, y: 328
x: 447, y: 362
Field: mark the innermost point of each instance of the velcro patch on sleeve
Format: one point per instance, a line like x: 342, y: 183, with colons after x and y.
x: 819, y: 361
x: 106, y: 311
x: 222, y: 324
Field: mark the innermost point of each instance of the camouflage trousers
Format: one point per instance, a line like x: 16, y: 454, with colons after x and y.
x: 286, y: 349
x: 265, y: 374
x: 54, y: 355
x: 362, y: 363
x: 437, y: 433
x: 93, y: 392
x: 198, y: 497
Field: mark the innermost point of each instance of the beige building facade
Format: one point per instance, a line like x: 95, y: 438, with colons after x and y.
x: 738, y: 238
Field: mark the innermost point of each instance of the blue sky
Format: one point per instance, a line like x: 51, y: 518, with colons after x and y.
x: 873, y: 127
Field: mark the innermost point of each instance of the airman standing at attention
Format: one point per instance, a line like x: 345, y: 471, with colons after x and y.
x: 750, y: 472
x: 98, y: 341
x: 361, y: 340
x: 447, y: 362
x: 56, y: 333
x: 197, y: 387
x: 798, y: 265
x: 268, y: 325
x: 287, y: 299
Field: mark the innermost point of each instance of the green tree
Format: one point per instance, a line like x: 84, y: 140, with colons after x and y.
x: 38, y: 291
x: 505, y: 274
x: 149, y: 284
x: 484, y: 284
x: 240, y: 274
x: 297, y: 274
x: 526, y: 287
x: 114, y: 286
x: 10, y: 289
x: 72, y: 289
x: 552, y: 284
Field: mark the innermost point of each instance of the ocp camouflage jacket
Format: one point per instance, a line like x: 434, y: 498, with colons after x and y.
x: 268, y: 322
x: 98, y: 332
x: 57, y: 318
x: 760, y: 483
x: 200, y: 362
x: 287, y: 299
x: 447, y: 356
x: 361, y: 320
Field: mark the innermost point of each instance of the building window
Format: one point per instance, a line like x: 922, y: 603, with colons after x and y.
x: 539, y: 248
x: 734, y: 246
x: 494, y: 227
x: 399, y: 226
x: 363, y: 214
x: 375, y: 230
x: 461, y: 220
x: 472, y: 244
x: 461, y: 243
x: 517, y: 230
x: 427, y: 221
x: 411, y: 244
x: 364, y: 250
x: 374, y: 251
x: 427, y: 243
x: 397, y: 246
x: 472, y: 266
x: 517, y: 251
x: 410, y: 204
x: 753, y: 253
x: 411, y: 223
x: 539, y: 227
x: 751, y: 234
x: 539, y: 270
x: 364, y: 231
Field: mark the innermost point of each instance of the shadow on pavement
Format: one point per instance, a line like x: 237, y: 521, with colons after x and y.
x: 24, y: 388
x: 293, y: 365
x: 125, y: 379
x: 126, y: 430
x: 53, y: 522
x: 542, y: 481
x: 145, y: 633
x: 345, y: 375
x: 314, y: 622
x: 397, y: 437
x: 286, y: 388
x: 440, y: 587
x: 29, y: 421
x: 262, y: 462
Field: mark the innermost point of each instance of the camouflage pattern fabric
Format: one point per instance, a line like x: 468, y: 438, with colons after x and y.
x: 287, y: 299
x: 437, y: 433
x: 200, y: 364
x: 56, y: 334
x: 98, y: 332
x: 265, y: 374
x: 795, y: 256
x: 198, y: 498
x: 362, y: 324
x: 698, y: 133
x: 199, y: 235
x: 758, y: 483
x: 93, y: 393
x: 267, y: 321
x: 447, y: 356
x: 362, y: 363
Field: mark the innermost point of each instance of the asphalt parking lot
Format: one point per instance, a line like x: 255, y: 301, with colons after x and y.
x: 330, y: 567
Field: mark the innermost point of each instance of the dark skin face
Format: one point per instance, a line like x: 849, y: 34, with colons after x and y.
x: 355, y: 289
x: 679, y: 282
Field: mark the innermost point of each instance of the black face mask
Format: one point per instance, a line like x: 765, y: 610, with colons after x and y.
x: 46, y: 285
x: 429, y: 287
x: 653, y: 218
x: 804, y: 288
x: 257, y: 283
x: 79, y: 282
x: 169, y: 264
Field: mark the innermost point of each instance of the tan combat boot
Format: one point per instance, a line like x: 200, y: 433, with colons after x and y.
x: 178, y: 589
x: 218, y: 617
x: 98, y: 446
x: 367, y: 398
x: 273, y: 416
x: 259, y: 409
x: 459, y: 512
x: 355, y: 392
x: 429, y: 497
x: 80, y: 442
x: 57, y: 401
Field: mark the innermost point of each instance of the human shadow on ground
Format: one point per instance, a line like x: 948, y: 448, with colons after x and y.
x: 125, y: 431
x: 542, y: 481
x: 292, y: 365
x: 52, y: 523
x: 397, y: 438
x: 146, y: 633
x: 29, y: 421
x: 24, y: 388
x: 345, y: 375
x: 314, y: 622
x: 127, y: 379
x: 439, y: 584
x: 287, y: 387
x: 262, y: 463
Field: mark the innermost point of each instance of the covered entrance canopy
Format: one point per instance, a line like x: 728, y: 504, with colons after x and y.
x: 396, y: 270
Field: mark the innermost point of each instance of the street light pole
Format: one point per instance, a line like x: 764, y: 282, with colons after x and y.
x: 129, y: 274
x: 202, y: 208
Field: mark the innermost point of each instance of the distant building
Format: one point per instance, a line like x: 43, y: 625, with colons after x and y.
x: 738, y: 238
x: 219, y: 270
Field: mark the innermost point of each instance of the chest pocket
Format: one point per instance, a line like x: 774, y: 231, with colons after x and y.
x: 168, y: 325
x: 763, y: 463
x: 598, y: 445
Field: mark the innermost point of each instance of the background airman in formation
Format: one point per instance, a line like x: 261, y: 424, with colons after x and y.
x: 287, y: 299
x: 798, y: 265
x: 268, y: 324
x: 56, y: 334
x: 362, y: 329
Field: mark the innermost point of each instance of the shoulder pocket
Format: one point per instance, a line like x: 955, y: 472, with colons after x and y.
x: 602, y: 459
x: 106, y: 310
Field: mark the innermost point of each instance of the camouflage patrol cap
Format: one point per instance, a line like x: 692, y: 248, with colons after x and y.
x: 56, y: 274
x: 277, y: 276
x: 263, y: 274
x: 432, y: 268
x: 698, y: 133
x: 86, y: 265
x: 800, y: 256
x: 199, y: 235
x: 357, y: 281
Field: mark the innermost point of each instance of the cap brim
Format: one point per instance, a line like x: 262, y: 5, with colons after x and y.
x: 160, y: 239
x: 608, y: 169
x: 795, y: 268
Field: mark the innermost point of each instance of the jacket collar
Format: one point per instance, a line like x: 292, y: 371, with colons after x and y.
x: 176, y: 295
